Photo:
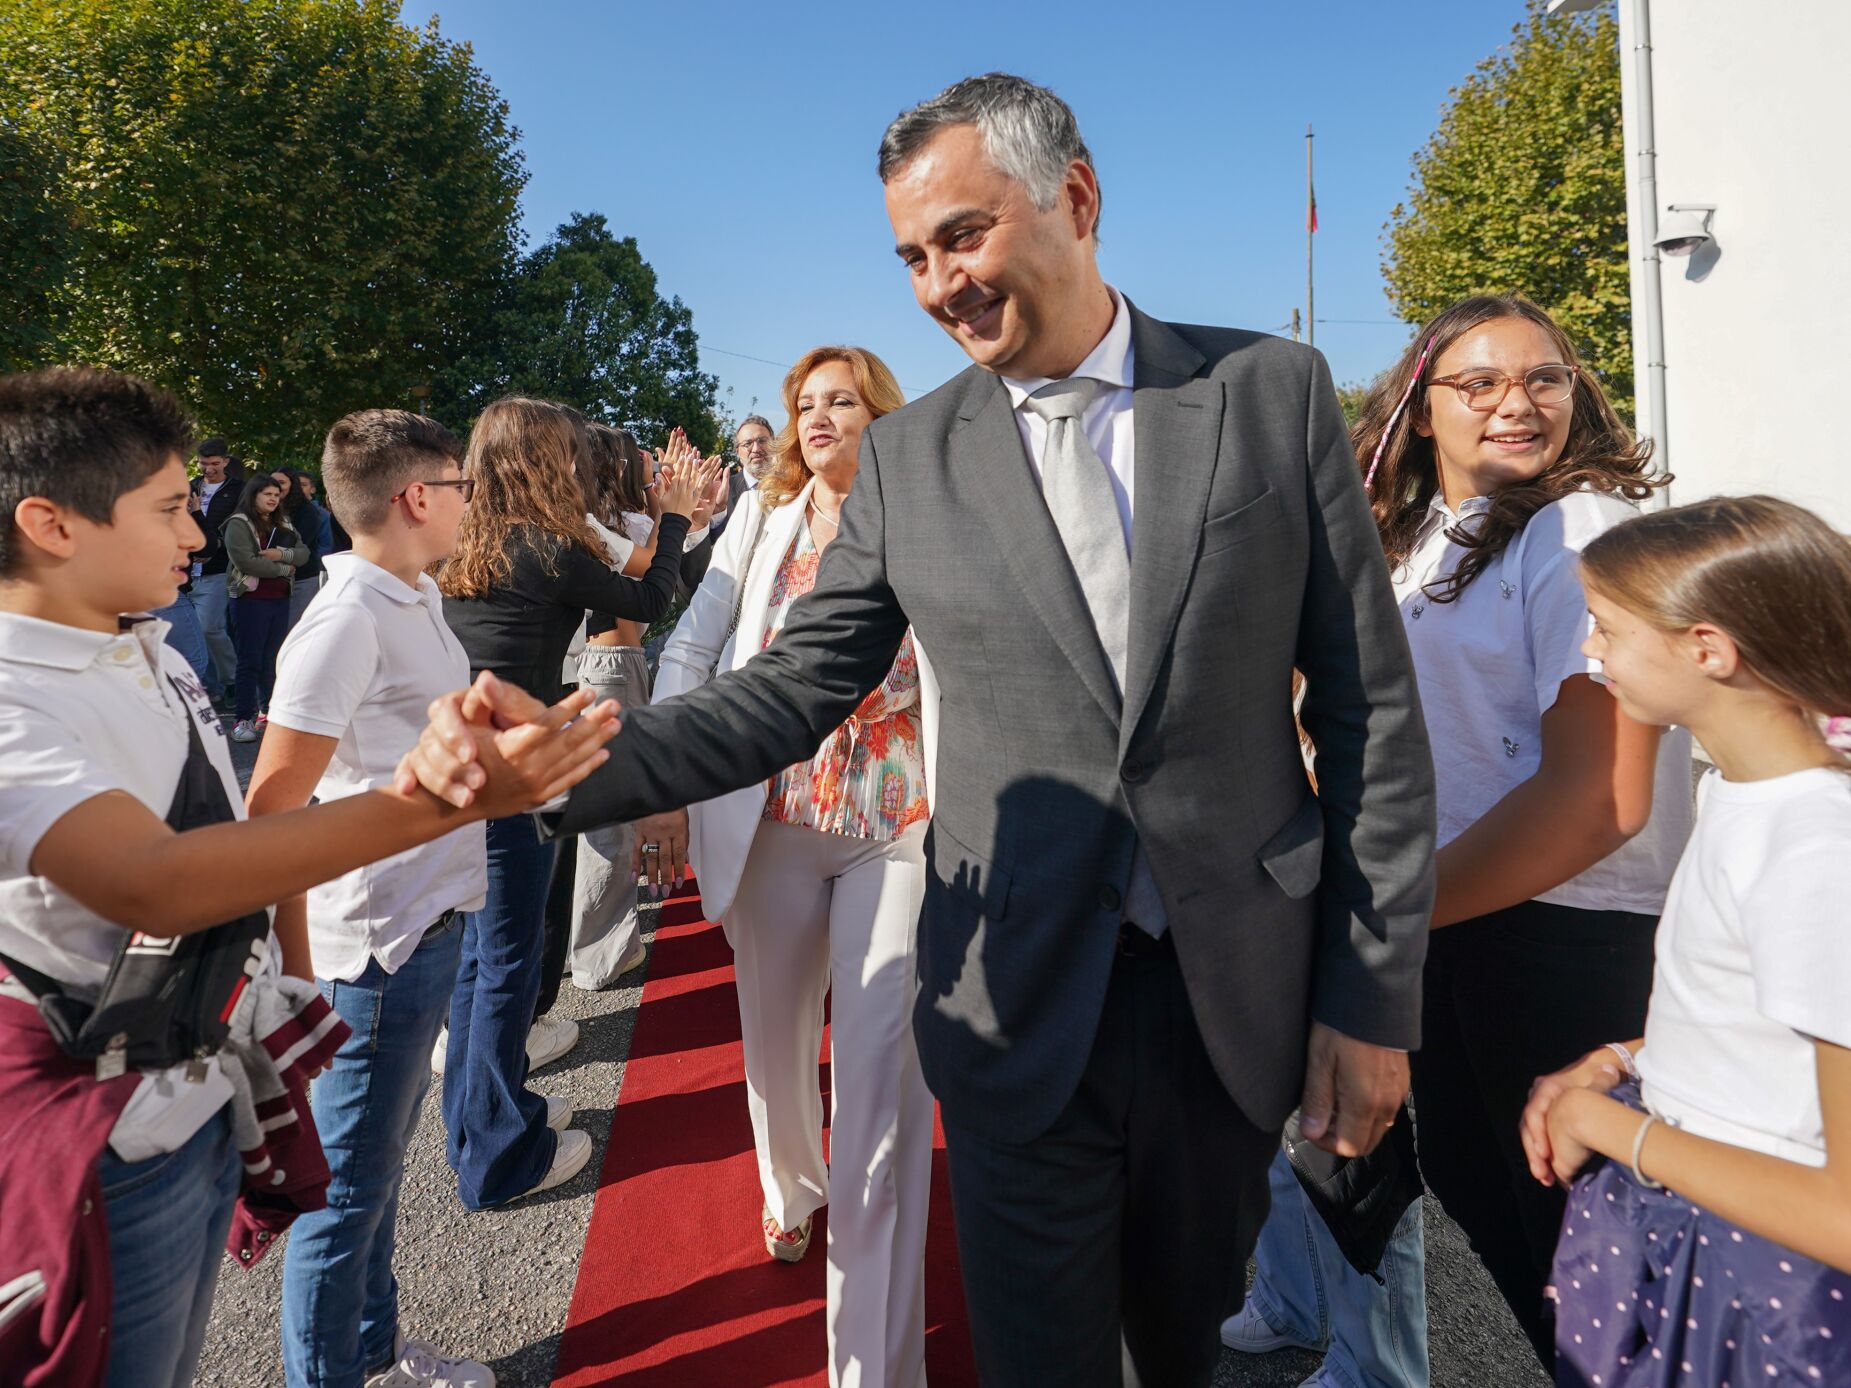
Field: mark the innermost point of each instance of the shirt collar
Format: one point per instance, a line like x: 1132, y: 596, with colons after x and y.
x: 1471, y: 506
x: 389, y: 584
x: 35, y: 641
x: 1111, y: 361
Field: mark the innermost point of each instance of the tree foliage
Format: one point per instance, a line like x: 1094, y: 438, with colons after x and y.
x: 583, y: 322
x: 1523, y: 188
x: 282, y: 210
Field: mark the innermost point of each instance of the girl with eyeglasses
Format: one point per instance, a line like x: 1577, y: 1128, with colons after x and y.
x: 1495, y: 458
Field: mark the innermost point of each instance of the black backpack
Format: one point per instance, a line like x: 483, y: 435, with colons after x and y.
x: 166, y: 1000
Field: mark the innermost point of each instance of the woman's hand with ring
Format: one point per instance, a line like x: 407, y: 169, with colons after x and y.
x: 667, y: 864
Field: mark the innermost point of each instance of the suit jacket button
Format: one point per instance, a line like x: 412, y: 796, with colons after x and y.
x: 1109, y: 898
x: 1132, y: 771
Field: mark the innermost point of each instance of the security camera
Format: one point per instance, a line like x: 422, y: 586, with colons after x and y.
x: 1685, y: 228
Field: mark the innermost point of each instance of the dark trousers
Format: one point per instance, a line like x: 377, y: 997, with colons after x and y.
x: 1508, y: 997
x: 258, y: 631
x: 499, y: 1144
x: 557, y: 944
x: 1108, y: 1250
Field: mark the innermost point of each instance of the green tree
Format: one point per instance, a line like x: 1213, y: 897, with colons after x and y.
x: 583, y: 322
x: 33, y: 249
x: 1523, y: 188
x: 282, y: 210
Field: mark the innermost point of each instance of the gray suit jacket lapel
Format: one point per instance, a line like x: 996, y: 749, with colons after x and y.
x: 1177, y: 418
x: 987, y: 449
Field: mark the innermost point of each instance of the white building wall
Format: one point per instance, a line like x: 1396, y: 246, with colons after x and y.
x: 1754, y: 115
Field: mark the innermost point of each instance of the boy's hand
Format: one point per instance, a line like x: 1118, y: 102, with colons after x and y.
x: 448, y: 760
x: 527, y: 766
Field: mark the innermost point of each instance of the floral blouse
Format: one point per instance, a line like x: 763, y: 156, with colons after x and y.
x: 867, y: 780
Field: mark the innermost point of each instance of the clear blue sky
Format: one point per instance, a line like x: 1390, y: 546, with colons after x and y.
x: 736, y: 142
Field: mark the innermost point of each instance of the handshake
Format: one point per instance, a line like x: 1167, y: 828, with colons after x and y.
x: 494, y: 750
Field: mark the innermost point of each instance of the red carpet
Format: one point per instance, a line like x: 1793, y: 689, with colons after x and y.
x: 674, y: 1289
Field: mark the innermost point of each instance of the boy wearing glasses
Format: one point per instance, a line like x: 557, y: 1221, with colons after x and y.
x: 352, y: 685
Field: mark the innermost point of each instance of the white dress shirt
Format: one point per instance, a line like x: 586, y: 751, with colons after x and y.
x: 1107, y: 419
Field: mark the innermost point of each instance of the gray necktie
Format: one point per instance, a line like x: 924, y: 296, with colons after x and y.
x: 1079, y: 495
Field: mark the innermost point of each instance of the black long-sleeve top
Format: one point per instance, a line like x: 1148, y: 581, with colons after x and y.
x: 521, y: 628
x: 693, y: 569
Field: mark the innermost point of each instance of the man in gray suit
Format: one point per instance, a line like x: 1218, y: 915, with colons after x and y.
x: 1145, y: 940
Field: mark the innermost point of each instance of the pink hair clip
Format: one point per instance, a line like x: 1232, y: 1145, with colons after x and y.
x: 1381, y: 445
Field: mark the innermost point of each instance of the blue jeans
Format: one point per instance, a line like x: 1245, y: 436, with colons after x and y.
x: 261, y: 625
x: 212, y: 601
x: 340, y: 1299
x: 186, y: 635
x: 168, y: 1218
x: 1375, y: 1333
x: 499, y: 1144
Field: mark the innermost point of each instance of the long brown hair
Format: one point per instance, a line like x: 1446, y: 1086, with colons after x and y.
x: 610, y: 474
x: 787, y: 473
x: 1600, y: 453
x: 1772, y: 575
x: 523, y: 455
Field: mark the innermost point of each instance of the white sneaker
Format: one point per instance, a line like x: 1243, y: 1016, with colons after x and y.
x: 558, y: 1112
x: 1249, y: 1332
x: 569, y: 1158
x: 422, y: 1365
x: 244, y: 731
x: 548, y: 1039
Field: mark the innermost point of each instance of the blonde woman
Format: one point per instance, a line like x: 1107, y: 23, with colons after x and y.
x: 817, y: 878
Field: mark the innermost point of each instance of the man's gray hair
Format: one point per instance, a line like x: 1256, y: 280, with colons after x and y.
x: 753, y: 419
x: 1028, y: 132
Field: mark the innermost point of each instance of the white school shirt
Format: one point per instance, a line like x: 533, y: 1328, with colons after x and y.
x: 82, y: 714
x: 1754, y: 964
x: 362, y: 666
x: 1491, y: 663
x: 1107, y: 420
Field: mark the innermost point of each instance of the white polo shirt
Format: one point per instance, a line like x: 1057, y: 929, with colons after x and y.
x: 362, y: 666
x: 1490, y: 664
x: 83, y: 714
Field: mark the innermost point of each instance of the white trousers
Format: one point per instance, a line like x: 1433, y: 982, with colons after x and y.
x: 818, y: 913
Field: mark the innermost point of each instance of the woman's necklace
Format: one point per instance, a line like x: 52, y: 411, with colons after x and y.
x: 835, y: 520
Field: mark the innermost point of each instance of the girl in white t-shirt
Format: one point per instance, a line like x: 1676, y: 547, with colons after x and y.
x: 1731, y: 617
x: 1560, y: 819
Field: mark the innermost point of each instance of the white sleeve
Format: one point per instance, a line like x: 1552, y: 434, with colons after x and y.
x: 619, y: 547
x: 1555, y: 616
x: 1799, y: 948
x: 46, y: 771
x: 700, y: 637
x: 325, y: 669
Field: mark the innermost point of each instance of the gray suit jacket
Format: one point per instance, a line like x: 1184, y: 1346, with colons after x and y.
x: 1253, y: 553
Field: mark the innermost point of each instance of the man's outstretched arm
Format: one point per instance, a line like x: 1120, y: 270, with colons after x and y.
x: 745, y: 726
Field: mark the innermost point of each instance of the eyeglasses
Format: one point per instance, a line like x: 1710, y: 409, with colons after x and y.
x: 1483, y: 389
x: 751, y: 444
x: 467, y: 485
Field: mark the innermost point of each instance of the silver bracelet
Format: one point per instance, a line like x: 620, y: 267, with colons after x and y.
x: 1638, y: 1142
x: 1632, y: 1070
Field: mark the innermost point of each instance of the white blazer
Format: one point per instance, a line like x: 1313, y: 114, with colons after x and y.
x: 720, y: 832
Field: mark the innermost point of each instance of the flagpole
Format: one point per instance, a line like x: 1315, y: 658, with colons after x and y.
x: 1311, y: 203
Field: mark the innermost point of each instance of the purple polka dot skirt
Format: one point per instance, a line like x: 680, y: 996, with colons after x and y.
x: 1654, y: 1292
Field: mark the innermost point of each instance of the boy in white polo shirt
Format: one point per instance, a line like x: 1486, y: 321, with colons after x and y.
x: 104, y: 730
x: 353, y: 681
